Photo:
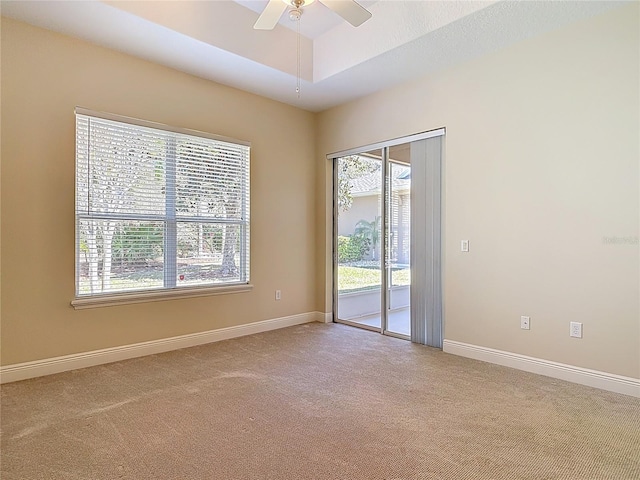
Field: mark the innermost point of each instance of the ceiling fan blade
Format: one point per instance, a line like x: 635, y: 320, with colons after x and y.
x: 270, y: 16
x: 350, y: 10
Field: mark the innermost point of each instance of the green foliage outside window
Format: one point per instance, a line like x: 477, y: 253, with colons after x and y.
x: 353, y: 248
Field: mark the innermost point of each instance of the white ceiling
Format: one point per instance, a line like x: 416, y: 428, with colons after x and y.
x: 215, y: 40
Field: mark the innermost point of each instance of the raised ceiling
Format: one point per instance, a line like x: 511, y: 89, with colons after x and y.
x: 404, y: 40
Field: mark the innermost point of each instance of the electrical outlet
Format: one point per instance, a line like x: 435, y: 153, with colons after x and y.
x: 575, y: 329
x: 464, y: 245
x: 524, y: 323
x: 278, y: 294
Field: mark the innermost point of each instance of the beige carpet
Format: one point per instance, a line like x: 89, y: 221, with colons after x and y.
x: 314, y: 402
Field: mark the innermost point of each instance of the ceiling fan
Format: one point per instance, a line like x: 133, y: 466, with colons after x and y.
x: 350, y: 10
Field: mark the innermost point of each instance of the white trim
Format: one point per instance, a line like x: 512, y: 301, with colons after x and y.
x: 158, y: 126
x: 388, y: 143
x: 155, y: 296
x: 326, y: 317
x: 584, y: 376
x: 320, y: 317
x: 48, y: 366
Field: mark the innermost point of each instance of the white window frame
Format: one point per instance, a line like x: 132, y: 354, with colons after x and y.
x: 170, y: 290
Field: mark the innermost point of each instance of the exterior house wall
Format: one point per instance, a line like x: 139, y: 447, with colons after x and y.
x: 363, y: 208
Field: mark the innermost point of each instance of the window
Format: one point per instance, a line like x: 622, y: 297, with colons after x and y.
x: 158, y: 208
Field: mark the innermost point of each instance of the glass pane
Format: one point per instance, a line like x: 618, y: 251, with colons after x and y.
x: 399, y: 212
x: 119, y: 255
x: 131, y: 176
x: 211, y: 181
x: 120, y: 168
x: 359, y: 234
x: 208, y: 253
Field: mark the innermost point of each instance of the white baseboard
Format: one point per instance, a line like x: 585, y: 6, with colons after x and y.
x: 583, y: 376
x: 48, y: 366
x: 325, y: 317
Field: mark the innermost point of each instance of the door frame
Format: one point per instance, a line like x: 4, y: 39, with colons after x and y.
x: 333, y: 157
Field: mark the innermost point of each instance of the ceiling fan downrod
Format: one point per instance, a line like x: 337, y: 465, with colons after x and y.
x: 297, y: 3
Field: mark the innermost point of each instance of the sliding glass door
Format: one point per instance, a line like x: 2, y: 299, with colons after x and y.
x: 358, y: 245
x: 373, y: 240
x: 387, y: 235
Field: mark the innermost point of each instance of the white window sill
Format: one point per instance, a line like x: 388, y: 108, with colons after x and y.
x: 155, y: 296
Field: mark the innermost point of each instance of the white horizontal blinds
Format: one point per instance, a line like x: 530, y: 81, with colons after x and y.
x: 158, y: 209
x: 211, y: 178
x: 123, y: 167
x: 212, y: 205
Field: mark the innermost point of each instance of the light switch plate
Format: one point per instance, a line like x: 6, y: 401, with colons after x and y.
x: 464, y: 245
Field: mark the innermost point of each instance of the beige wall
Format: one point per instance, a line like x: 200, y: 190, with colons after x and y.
x: 44, y: 76
x: 541, y: 164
